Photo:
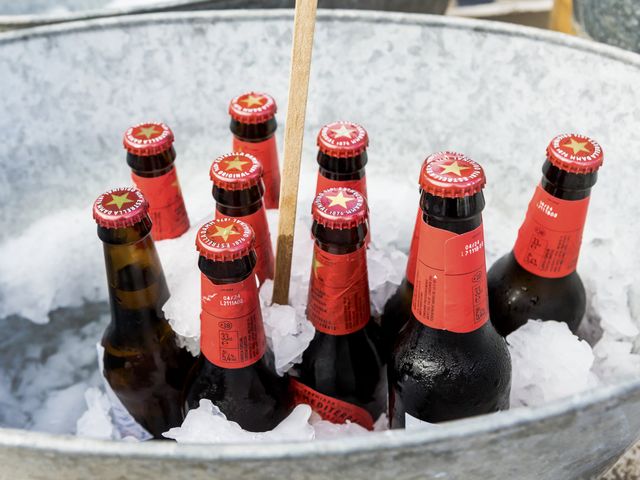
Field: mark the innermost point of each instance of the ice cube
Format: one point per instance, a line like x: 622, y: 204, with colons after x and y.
x: 96, y: 421
x: 548, y: 363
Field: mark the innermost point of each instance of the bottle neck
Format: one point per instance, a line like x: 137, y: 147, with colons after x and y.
x: 225, y: 273
x: 136, y: 281
x: 457, y: 215
x: 238, y: 203
x: 565, y: 185
x: 153, y: 165
x: 339, y: 241
x: 253, y: 132
x: 342, y: 169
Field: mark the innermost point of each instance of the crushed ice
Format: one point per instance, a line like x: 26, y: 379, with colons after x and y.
x: 49, y: 384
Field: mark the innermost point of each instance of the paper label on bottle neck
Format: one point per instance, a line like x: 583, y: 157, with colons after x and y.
x: 123, y: 421
x: 548, y: 243
x: 450, y: 289
x: 339, y: 292
x: 329, y: 408
x: 232, y: 333
x: 413, y: 249
x: 267, y: 154
x: 166, y: 205
x: 263, y: 247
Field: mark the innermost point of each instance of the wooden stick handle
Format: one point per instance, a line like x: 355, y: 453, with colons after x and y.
x: 303, y: 29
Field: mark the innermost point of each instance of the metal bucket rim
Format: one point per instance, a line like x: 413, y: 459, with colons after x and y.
x: 509, y: 420
x: 30, y: 19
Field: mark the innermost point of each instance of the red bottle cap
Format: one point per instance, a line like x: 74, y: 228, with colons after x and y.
x: 148, y: 139
x: 236, y: 171
x: 253, y: 107
x: 120, y: 207
x: 575, y: 153
x: 451, y: 175
x: 339, y: 208
x: 343, y: 139
x: 225, y: 240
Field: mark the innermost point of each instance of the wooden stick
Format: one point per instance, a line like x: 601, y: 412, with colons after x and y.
x: 303, y: 28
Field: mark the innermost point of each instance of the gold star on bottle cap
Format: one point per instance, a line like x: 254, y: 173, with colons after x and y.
x: 119, y: 200
x: 454, y: 167
x: 252, y: 101
x: 236, y: 164
x: 342, y: 132
x: 576, y: 146
x: 225, y: 232
x: 339, y: 199
x: 147, y: 131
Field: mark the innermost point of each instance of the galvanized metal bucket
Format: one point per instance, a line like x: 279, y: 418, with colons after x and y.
x: 420, y: 84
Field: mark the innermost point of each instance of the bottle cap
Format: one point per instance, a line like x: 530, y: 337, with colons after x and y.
x: 148, y: 139
x: 343, y: 139
x: 575, y: 153
x: 451, y: 175
x: 236, y: 171
x: 225, y: 240
x: 339, y: 208
x: 253, y: 107
x: 120, y: 207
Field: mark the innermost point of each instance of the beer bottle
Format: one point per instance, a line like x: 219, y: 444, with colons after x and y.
x: 151, y: 155
x: 397, y: 310
x: 341, y: 374
x: 342, y: 156
x: 143, y: 364
x: 538, y: 279
x: 235, y: 369
x: 448, y: 361
x: 253, y: 124
x: 238, y: 191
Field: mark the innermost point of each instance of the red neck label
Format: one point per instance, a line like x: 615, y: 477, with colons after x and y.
x: 329, y: 408
x: 232, y: 333
x: 267, y: 154
x: 338, y: 292
x: 548, y: 243
x: 166, y: 205
x: 359, y: 185
x: 450, y: 289
x: 413, y: 250
x: 263, y: 247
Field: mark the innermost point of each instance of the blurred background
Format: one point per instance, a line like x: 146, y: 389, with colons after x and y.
x: 616, y: 22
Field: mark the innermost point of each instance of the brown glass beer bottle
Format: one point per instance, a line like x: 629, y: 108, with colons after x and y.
x: 238, y: 191
x: 143, y: 364
x: 397, y: 310
x: 538, y: 279
x: 448, y: 361
x: 151, y: 156
x: 341, y: 374
x: 236, y: 368
x: 253, y: 124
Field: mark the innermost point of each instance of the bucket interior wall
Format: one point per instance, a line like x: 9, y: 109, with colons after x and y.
x: 419, y: 84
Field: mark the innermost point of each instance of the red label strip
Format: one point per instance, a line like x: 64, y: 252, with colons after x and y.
x: 263, y: 247
x: 166, y: 205
x: 549, y: 239
x: 450, y: 289
x: 232, y: 333
x: 339, y: 292
x: 267, y: 154
x: 329, y: 408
